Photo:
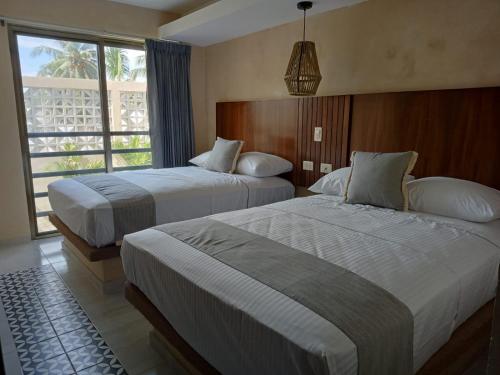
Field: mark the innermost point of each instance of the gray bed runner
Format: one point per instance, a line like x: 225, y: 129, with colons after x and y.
x: 133, y: 207
x: 379, y: 324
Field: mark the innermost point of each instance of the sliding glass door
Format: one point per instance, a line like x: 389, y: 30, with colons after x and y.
x: 82, y: 108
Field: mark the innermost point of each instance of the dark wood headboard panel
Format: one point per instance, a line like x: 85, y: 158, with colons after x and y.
x: 331, y: 113
x: 266, y: 125
x: 455, y: 132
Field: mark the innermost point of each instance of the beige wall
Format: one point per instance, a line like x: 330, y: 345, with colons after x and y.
x: 95, y: 15
x: 379, y: 45
x: 198, y: 94
x: 376, y: 46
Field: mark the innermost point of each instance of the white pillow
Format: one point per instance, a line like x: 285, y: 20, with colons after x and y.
x: 334, y: 183
x: 259, y: 164
x: 451, y: 197
x: 201, y: 160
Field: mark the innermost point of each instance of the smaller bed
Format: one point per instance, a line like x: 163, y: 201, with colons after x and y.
x: 95, y: 212
x: 177, y: 194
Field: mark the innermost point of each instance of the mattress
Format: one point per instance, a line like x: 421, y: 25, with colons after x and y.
x: 442, y: 269
x: 179, y: 194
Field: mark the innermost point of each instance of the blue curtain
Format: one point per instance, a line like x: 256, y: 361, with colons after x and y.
x: 169, y: 103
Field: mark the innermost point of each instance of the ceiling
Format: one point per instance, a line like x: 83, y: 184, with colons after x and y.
x: 174, y: 6
x: 229, y: 19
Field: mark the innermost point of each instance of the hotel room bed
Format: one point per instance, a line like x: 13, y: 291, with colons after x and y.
x: 177, y: 193
x: 443, y: 270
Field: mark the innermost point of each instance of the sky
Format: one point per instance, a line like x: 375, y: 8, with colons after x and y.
x: 31, y: 65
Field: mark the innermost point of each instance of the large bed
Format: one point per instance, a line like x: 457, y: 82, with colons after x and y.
x: 440, y: 272
x: 443, y: 270
x: 178, y: 193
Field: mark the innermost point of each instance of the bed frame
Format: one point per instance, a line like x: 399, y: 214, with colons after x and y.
x: 465, y: 346
x: 103, y: 263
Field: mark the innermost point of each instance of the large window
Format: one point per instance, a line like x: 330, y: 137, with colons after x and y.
x: 83, y: 110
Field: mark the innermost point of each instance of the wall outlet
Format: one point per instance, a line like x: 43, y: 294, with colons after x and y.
x: 307, y: 165
x: 318, y: 134
x: 325, y: 168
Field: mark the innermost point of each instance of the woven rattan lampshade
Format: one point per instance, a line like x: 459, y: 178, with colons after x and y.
x: 302, y: 76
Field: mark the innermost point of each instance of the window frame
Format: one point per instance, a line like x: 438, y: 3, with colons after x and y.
x: 100, y: 42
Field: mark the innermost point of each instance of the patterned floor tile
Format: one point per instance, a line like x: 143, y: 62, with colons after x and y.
x: 52, y: 333
x: 41, y: 351
x: 51, y: 299
x: 15, y: 317
x: 70, y: 323
x: 32, y: 333
x: 62, y: 309
x: 50, y: 288
x: 91, y: 355
x: 80, y: 338
x: 59, y: 365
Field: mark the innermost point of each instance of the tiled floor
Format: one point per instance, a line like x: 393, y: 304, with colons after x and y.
x: 51, y: 332
x: 123, y: 329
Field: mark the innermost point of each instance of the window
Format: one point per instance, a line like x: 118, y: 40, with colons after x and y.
x: 83, y: 110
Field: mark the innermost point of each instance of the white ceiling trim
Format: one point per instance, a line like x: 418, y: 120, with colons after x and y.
x: 229, y: 19
x: 174, y: 6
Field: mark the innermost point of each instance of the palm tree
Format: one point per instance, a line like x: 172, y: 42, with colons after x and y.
x: 117, y: 64
x: 69, y: 60
x: 140, y: 69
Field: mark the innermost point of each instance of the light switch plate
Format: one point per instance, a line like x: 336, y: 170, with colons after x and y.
x: 307, y: 165
x: 318, y: 134
x: 325, y: 168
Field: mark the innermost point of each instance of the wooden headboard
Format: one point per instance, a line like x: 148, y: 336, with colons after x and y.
x: 455, y: 132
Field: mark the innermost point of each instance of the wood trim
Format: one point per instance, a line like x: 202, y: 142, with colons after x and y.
x: 331, y: 113
x: 93, y: 254
x: 267, y: 126
x: 493, y: 366
x: 455, y: 132
x: 456, y: 356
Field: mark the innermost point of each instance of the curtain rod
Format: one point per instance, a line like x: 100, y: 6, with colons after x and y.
x: 103, y: 34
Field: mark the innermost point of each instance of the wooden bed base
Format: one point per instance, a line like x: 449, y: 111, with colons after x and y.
x: 93, y: 254
x: 467, y: 343
x: 104, y: 264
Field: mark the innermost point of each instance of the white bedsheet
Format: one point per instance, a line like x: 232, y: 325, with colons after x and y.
x: 179, y: 193
x: 442, y: 269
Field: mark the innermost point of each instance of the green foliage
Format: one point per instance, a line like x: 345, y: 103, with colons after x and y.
x: 69, y: 60
x: 79, y: 60
x: 117, y: 64
x: 140, y: 69
x: 138, y: 158
x: 73, y: 163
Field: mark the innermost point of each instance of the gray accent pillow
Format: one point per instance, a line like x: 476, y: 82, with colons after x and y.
x: 224, y: 155
x: 379, y: 179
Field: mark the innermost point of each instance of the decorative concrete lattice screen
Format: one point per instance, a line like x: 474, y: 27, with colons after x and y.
x: 73, y: 105
x: 134, y: 114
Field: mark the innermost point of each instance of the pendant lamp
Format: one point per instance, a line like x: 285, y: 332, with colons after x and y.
x: 302, y: 76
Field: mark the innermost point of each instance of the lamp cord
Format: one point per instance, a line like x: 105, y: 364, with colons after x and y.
x: 301, y: 53
x: 304, y: 30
